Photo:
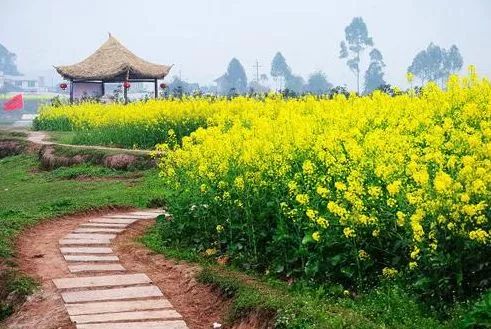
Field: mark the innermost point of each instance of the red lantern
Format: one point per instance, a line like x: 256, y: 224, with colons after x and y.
x: 163, y: 85
x: 63, y: 86
x: 126, y: 85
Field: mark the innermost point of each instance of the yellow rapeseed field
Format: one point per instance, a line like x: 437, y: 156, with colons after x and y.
x: 352, y: 188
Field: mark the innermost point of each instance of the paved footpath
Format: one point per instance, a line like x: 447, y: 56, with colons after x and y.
x: 101, y: 293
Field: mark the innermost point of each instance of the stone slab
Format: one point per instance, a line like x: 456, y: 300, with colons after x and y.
x: 113, y: 220
x: 111, y: 294
x: 104, y: 225
x: 97, y: 230
x: 86, y: 250
x: 117, y: 306
x: 91, y: 258
x: 81, y: 242
x: 91, y: 236
x: 156, y: 212
x: 129, y: 216
x: 96, y: 268
x: 136, y: 325
x: 127, y: 316
x: 102, y: 281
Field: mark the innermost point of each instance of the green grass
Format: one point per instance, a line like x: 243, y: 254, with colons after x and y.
x: 306, y: 305
x: 62, y: 137
x: 28, y: 195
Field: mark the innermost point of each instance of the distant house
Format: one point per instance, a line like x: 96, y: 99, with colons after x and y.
x: 223, y: 86
x: 22, y: 83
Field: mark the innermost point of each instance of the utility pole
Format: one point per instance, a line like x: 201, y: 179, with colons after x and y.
x: 257, y: 66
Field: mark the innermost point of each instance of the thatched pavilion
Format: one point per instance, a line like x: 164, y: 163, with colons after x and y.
x: 112, y: 63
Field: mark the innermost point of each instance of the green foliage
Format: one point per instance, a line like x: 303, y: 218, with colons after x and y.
x: 435, y: 63
x: 304, y: 305
x: 479, y: 316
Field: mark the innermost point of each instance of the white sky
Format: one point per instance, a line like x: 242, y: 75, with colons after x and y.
x: 201, y: 36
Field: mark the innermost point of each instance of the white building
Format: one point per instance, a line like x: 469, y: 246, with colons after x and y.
x: 25, y: 83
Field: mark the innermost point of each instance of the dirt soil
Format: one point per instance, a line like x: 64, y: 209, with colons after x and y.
x: 39, y: 257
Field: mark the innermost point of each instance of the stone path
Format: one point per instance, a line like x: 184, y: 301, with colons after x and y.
x: 101, y: 293
x: 41, y: 138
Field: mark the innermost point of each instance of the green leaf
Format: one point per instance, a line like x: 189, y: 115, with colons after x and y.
x: 307, y: 239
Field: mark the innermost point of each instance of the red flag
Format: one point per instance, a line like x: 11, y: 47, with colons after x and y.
x: 15, y: 103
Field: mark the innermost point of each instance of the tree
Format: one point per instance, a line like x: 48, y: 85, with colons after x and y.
x: 7, y: 62
x: 279, y: 68
x: 294, y: 83
x: 236, y: 76
x: 435, y: 63
x: 453, y: 61
x: 179, y: 87
x: 234, y: 79
x: 374, y: 76
x: 318, y: 84
x: 356, y: 40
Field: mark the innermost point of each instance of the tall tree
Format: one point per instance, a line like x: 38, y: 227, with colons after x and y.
x: 453, y: 61
x: 435, y: 63
x: 235, y: 78
x: 279, y: 69
x: 374, y: 76
x: 356, y: 40
x: 7, y: 62
x: 318, y: 84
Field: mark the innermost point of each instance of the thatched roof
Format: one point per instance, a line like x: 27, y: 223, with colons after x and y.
x: 113, y: 62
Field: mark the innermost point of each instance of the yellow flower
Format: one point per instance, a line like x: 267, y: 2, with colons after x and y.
x: 219, y: 228
x: 210, y: 251
x: 413, y: 265
x: 316, y: 236
x: 394, y: 187
x: 322, y: 191
x: 374, y: 191
x: 400, y: 218
x: 322, y: 222
x: 310, y: 213
x: 465, y: 197
x: 389, y: 272
x: 203, y: 188
x: 479, y: 235
x: 376, y: 233
x: 340, y: 186
x: 292, y: 186
x: 363, y: 255
x: 349, y: 232
x: 442, y: 182
x: 239, y: 183
x: 302, y: 198
x: 308, y: 167
x: 409, y: 77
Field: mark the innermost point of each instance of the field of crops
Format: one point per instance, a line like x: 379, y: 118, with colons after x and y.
x: 137, y: 125
x: 350, y: 190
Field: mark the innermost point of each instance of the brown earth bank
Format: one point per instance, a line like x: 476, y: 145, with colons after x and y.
x: 38, y: 256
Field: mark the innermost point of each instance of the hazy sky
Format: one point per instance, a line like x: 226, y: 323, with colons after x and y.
x: 200, y: 37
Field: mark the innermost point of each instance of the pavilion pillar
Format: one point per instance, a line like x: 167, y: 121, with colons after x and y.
x: 156, y: 89
x: 125, y: 93
x: 71, y: 91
